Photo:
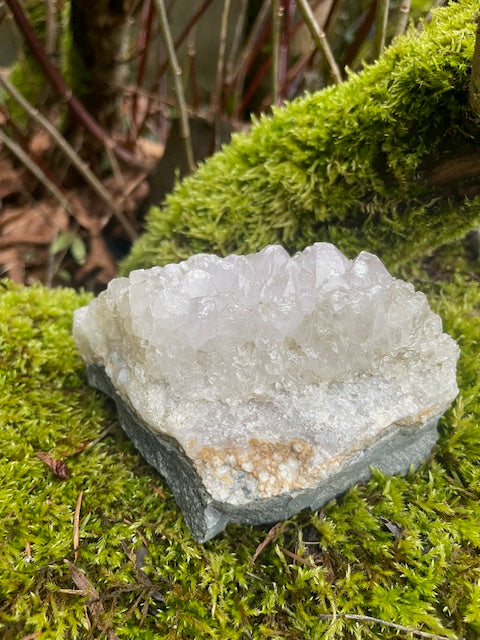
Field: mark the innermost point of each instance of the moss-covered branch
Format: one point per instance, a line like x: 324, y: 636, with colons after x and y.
x: 386, y: 162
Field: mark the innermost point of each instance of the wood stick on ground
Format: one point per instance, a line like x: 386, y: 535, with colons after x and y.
x: 72, y: 155
x: 297, y: 558
x: 385, y: 623
x: 320, y: 39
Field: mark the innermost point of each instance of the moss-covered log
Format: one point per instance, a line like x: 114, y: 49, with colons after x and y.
x: 387, y: 162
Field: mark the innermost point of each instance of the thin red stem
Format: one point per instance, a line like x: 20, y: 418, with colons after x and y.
x: 143, y: 45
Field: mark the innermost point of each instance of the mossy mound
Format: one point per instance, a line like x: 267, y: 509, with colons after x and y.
x: 405, y: 550
x: 364, y: 165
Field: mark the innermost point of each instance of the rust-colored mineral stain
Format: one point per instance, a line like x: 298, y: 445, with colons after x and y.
x: 261, y: 459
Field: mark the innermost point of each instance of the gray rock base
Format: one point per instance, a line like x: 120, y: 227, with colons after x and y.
x: 395, y: 452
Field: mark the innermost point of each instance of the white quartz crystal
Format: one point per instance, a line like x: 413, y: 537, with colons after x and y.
x: 271, y: 372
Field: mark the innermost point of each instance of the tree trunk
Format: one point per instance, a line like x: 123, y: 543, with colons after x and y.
x: 99, y: 32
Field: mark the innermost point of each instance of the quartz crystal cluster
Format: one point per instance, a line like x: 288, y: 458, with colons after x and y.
x: 259, y: 385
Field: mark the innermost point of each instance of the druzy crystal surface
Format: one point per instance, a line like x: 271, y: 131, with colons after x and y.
x: 263, y: 384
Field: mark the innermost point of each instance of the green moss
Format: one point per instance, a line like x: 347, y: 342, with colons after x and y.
x: 26, y: 74
x: 405, y: 550
x: 347, y: 164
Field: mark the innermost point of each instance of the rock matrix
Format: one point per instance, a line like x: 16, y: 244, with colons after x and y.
x: 260, y: 385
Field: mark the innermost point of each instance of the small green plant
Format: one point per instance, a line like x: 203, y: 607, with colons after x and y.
x: 70, y: 241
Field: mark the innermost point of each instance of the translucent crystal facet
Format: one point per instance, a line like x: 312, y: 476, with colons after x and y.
x: 272, y: 372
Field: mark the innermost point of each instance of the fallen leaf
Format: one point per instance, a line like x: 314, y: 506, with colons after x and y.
x: 95, y: 606
x: 394, y: 529
x: 58, y: 467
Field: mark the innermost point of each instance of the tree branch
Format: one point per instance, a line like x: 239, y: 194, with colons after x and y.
x: 319, y: 37
x: 177, y: 73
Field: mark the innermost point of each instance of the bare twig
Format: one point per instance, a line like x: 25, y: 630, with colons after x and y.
x: 277, y: 14
x: 237, y: 35
x: 381, y: 20
x: 474, y: 89
x: 332, y: 16
x: 186, y: 30
x: 76, y: 525
x: 191, y: 66
x: 268, y: 538
x: 256, y: 36
x: 288, y: 13
x: 402, y: 20
x: 41, y: 176
x: 177, y: 73
x: 70, y: 152
x: 51, y: 26
x: 143, y: 47
x: 58, y: 83
x: 319, y: 37
x: 385, y: 623
x: 361, y: 34
x: 219, y: 80
x: 297, y: 558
